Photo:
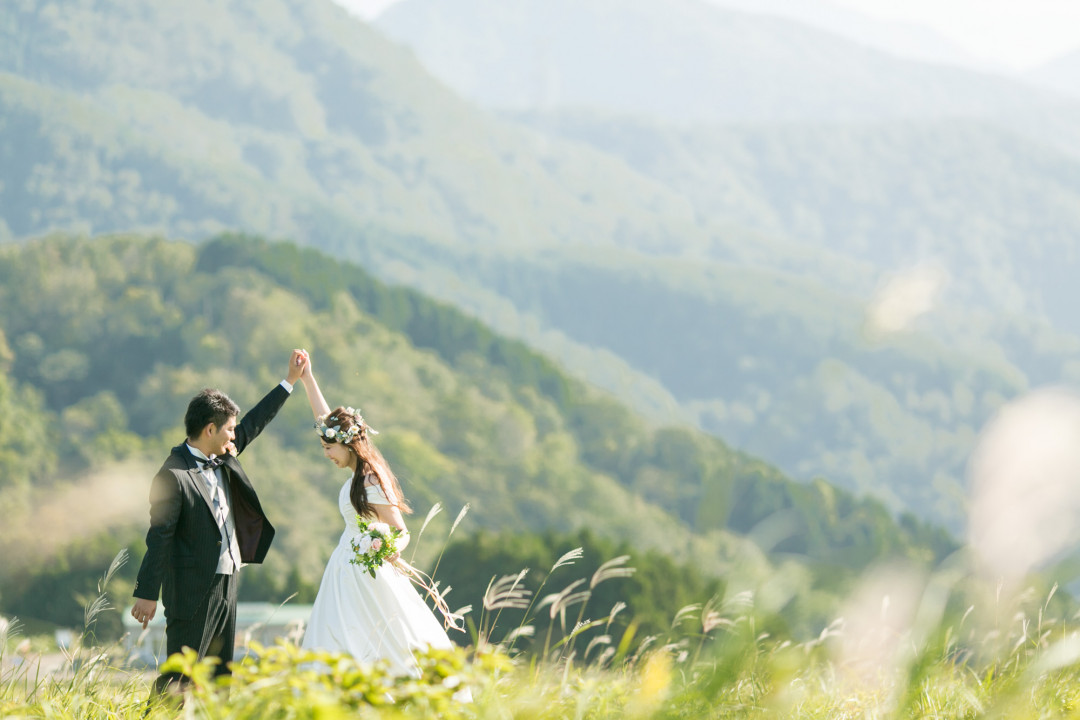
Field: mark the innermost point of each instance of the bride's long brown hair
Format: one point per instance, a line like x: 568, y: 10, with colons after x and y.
x: 371, y: 462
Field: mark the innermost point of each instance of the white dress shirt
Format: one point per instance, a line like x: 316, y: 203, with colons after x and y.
x: 229, y: 559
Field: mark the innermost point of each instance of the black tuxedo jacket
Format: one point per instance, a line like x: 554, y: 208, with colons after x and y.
x: 184, y: 543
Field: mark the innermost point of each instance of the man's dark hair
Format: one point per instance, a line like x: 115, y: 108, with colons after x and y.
x: 209, y: 406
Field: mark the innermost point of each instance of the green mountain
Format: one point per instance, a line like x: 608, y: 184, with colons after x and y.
x: 107, y: 339
x: 716, y: 277
x: 304, y: 124
x: 998, y: 211
x: 682, y: 60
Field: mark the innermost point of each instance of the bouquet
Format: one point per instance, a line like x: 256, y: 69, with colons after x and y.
x: 376, y: 543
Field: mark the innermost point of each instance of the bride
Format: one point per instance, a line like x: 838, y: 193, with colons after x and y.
x: 371, y: 618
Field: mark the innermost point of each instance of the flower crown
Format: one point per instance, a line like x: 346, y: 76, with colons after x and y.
x: 336, y: 434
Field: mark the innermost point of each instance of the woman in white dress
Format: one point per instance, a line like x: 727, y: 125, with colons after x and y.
x: 371, y: 618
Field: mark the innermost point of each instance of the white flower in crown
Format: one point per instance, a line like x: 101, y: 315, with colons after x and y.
x: 380, y: 527
x: 336, y: 434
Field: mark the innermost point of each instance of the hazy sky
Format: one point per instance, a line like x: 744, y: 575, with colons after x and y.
x: 1017, y: 34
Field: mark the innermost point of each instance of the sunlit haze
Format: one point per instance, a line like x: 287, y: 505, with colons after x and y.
x: 1019, y: 34
x: 1015, y: 35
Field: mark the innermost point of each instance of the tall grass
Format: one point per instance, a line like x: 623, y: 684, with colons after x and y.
x: 91, y: 680
x: 962, y: 651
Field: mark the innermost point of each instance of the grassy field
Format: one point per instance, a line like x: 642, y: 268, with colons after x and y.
x: 902, y: 648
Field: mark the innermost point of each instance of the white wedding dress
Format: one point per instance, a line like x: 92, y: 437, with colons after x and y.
x: 371, y: 618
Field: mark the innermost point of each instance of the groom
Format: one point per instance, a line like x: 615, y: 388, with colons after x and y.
x: 205, y: 523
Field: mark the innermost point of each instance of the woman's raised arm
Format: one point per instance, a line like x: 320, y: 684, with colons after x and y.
x: 319, y: 408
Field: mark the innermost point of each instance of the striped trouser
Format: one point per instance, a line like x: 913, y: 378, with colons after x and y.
x: 211, y: 630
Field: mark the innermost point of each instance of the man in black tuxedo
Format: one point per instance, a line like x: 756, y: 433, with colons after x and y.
x: 205, y: 523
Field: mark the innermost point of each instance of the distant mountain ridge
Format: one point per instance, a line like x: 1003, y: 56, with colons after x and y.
x: 1062, y: 74
x: 908, y: 40
x: 681, y: 60
x: 911, y: 40
x: 332, y: 128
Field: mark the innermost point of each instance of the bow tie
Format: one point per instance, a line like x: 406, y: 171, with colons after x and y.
x: 212, y: 464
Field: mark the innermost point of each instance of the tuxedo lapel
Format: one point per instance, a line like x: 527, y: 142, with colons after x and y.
x: 197, y: 479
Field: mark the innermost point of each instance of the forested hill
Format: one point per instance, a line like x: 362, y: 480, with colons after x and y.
x: 105, y: 340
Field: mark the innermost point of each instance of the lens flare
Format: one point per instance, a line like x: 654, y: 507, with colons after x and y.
x: 879, y: 627
x: 903, y: 298
x: 1025, y: 484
